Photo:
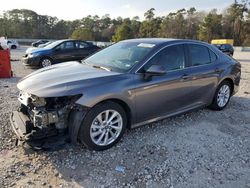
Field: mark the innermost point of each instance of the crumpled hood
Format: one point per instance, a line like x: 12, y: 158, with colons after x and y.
x: 63, y: 79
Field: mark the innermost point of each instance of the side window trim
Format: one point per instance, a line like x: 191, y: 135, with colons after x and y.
x: 187, y: 56
x: 138, y: 71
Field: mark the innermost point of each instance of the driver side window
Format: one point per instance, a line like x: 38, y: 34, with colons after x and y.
x: 171, y: 58
x: 66, y: 45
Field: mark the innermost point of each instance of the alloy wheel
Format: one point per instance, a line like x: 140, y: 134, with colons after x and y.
x: 223, y: 95
x: 106, y: 127
x: 46, y: 63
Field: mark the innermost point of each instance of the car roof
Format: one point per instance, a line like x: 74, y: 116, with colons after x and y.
x: 160, y: 41
x: 64, y: 40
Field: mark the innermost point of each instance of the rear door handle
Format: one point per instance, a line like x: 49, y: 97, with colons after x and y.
x: 217, y: 70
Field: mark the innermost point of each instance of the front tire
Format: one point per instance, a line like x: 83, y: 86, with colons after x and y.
x: 13, y: 47
x: 45, y: 62
x: 103, y: 126
x: 222, y: 96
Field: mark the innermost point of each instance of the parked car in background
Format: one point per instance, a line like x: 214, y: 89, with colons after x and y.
x: 45, y: 44
x: 58, y: 52
x: 30, y: 49
x: 37, y: 43
x: 126, y: 85
x: 226, y: 48
x: 13, y: 44
x: 224, y: 45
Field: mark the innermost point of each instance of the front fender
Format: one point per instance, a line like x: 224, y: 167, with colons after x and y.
x: 94, y: 99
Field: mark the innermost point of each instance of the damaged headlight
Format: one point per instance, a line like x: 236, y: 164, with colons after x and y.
x: 59, y: 102
x: 26, y: 99
x: 38, y: 101
x: 55, y: 112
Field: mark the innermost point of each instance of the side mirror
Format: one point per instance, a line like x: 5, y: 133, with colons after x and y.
x: 154, y: 70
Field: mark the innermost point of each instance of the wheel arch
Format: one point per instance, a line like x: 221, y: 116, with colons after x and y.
x: 124, y: 105
x: 13, y: 46
x: 45, y: 57
x: 230, y: 80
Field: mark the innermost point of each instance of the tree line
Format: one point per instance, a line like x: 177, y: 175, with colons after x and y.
x: 232, y: 23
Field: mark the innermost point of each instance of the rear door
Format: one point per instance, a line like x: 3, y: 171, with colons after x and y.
x: 203, y: 70
x: 83, y: 49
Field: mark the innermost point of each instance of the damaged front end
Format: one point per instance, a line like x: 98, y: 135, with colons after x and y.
x: 39, y: 118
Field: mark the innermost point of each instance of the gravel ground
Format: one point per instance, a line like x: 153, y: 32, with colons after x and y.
x: 199, y: 149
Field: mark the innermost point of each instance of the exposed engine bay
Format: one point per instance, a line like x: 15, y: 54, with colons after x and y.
x: 38, y: 118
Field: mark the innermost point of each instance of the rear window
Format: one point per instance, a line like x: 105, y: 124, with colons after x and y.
x: 199, y: 55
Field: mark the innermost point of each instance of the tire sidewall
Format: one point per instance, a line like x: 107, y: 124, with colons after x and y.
x: 84, y: 132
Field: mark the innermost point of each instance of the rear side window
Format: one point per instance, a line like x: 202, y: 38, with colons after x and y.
x: 80, y: 44
x: 199, y: 55
x: 66, y: 45
x: 213, y: 57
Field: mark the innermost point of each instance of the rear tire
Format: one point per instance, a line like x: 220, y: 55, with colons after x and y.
x: 222, y: 96
x: 103, y: 126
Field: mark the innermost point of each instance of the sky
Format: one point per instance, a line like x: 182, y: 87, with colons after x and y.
x: 76, y: 9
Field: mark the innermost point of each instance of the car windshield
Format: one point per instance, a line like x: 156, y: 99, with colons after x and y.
x: 120, y: 57
x: 53, y: 44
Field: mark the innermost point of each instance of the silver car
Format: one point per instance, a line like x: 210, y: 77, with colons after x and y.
x: 126, y: 85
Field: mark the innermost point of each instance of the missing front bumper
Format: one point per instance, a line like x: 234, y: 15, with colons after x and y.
x: 50, y: 136
x: 25, y: 130
x: 20, y: 125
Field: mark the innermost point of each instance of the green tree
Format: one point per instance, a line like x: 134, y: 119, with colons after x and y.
x: 123, y: 32
x: 174, y: 25
x: 233, y: 22
x: 82, y: 33
x: 211, y: 27
x: 193, y: 21
x: 246, y: 41
x: 149, y: 15
x: 150, y: 26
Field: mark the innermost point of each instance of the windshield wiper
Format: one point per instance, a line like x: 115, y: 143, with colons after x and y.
x: 101, y: 67
x: 97, y: 66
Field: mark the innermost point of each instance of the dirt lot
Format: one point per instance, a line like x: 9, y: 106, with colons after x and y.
x: 200, y: 149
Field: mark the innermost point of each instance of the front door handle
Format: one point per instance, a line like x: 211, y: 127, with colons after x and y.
x: 185, y: 77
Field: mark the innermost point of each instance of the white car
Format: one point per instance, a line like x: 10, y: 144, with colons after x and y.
x: 13, y: 44
x: 39, y: 46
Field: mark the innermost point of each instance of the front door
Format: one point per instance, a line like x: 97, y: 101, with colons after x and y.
x: 64, y: 52
x: 166, y: 94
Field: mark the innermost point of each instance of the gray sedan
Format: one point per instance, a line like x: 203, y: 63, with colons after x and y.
x: 126, y: 85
